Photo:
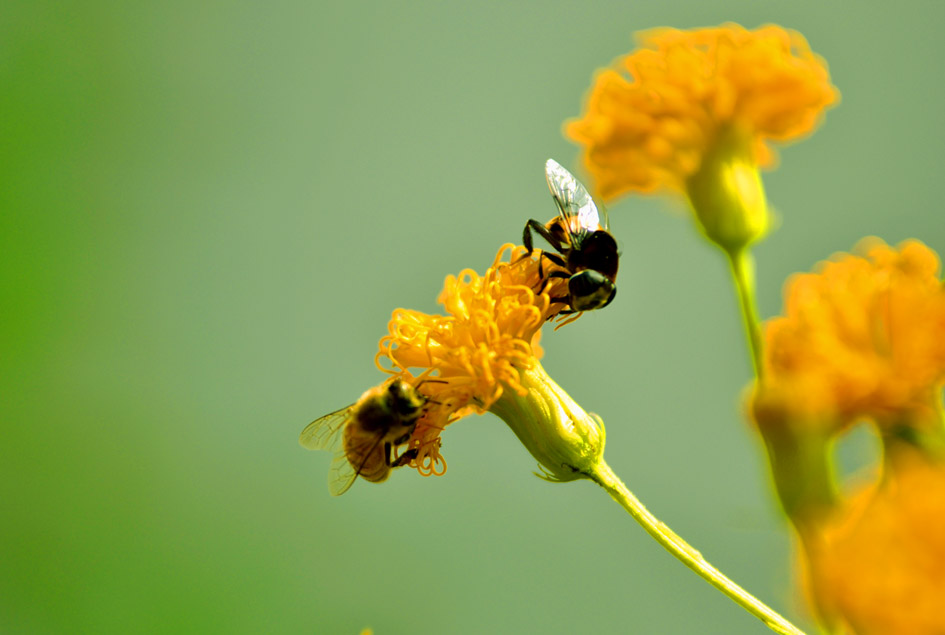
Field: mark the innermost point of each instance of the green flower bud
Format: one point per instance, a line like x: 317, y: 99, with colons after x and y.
x: 727, y: 194
x: 567, y: 441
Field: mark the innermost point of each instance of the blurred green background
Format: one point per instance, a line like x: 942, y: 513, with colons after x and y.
x: 209, y: 211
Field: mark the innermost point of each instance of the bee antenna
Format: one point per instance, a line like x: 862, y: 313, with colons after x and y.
x: 427, y: 380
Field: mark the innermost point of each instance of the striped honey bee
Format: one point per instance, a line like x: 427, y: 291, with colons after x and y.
x: 364, y: 436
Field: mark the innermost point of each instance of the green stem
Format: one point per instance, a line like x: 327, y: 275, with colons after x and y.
x: 743, y: 274
x: 605, y: 477
x: 802, y: 466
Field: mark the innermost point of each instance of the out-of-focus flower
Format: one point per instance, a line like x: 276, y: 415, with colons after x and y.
x: 878, y: 563
x: 862, y: 337
x: 650, y: 126
x: 694, y: 112
x: 483, y: 355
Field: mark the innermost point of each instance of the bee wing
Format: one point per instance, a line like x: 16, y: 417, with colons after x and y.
x: 325, y: 432
x: 606, y: 221
x: 575, y: 204
x: 342, y: 474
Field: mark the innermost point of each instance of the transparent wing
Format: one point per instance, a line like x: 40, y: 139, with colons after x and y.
x: 342, y: 474
x: 325, y: 433
x: 605, y: 221
x: 575, y: 204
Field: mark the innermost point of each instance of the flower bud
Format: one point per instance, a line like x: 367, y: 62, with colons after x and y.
x: 567, y: 441
x: 727, y: 195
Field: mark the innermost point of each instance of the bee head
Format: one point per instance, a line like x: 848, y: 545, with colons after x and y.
x: 590, y: 290
x: 404, y: 398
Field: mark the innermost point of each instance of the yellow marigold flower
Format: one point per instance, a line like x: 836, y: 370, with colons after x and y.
x: 484, y: 356
x: 878, y: 564
x: 650, y: 128
x: 693, y: 112
x: 862, y: 337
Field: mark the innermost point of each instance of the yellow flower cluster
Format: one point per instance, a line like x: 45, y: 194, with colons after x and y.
x: 650, y: 122
x: 481, y: 348
x: 863, y: 337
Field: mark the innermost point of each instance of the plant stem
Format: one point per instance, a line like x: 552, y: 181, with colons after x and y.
x: 743, y: 274
x: 605, y: 477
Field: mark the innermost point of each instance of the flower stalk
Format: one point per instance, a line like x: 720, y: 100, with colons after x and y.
x: 742, y: 266
x: 804, y: 473
x: 568, y: 443
x: 605, y: 477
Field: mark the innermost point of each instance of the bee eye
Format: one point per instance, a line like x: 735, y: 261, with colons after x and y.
x: 590, y: 290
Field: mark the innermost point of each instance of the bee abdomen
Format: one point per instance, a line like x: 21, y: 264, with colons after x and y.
x: 366, y: 454
x: 375, y: 470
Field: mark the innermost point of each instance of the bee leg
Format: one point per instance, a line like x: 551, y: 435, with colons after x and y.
x: 556, y: 259
x: 541, y: 230
x: 404, y: 458
x: 527, y: 237
x: 552, y: 274
x: 541, y: 270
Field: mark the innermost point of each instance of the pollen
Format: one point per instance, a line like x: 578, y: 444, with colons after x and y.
x: 468, y: 357
x: 861, y: 337
x: 651, y: 119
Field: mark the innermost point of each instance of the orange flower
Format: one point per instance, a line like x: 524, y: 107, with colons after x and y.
x: 878, y: 564
x: 684, y: 94
x: 481, y: 349
x: 864, y: 336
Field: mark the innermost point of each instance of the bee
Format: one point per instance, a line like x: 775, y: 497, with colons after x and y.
x: 588, y: 252
x: 364, y: 436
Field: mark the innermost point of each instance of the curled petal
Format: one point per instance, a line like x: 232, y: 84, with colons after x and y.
x: 478, y: 350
